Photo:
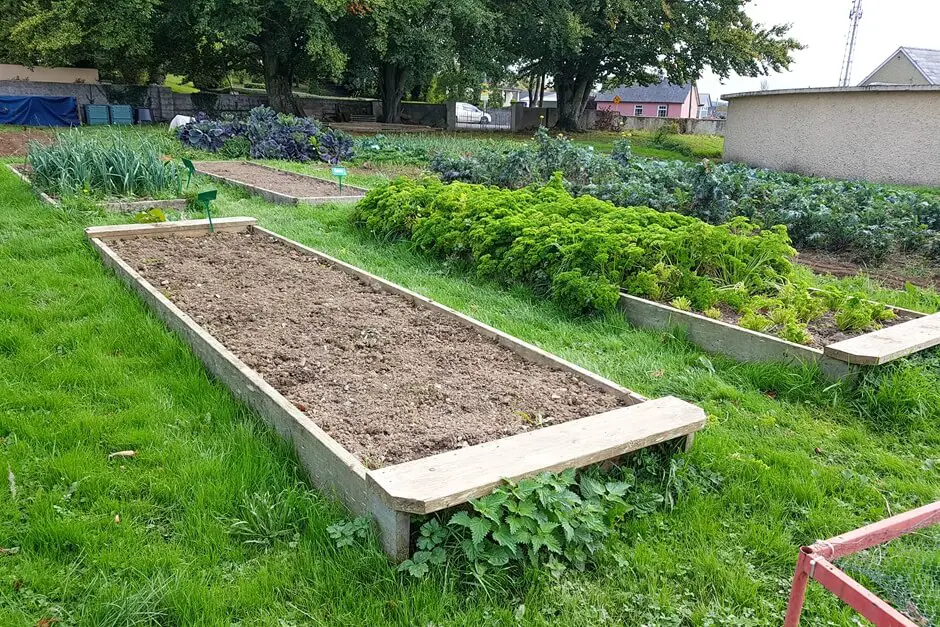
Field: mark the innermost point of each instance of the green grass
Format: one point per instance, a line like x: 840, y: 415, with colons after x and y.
x: 694, y: 147
x: 176, y: 84
x: 85, y: 371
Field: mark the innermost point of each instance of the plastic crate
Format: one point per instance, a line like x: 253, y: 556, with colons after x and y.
x: 97, y: 115
x: 122, y: 114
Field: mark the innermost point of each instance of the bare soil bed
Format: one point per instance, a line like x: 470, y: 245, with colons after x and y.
x: 895, y: 272
x: 15, y: 143
x: 390, y: 381
x: 280, y: 181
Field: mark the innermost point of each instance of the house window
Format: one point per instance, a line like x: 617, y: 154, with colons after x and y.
x: 663, y: 109
x: 637, y: 110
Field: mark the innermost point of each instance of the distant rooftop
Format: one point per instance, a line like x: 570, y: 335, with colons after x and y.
x: 927, y: 61
x: 831, y: 90
x: 664, y: 92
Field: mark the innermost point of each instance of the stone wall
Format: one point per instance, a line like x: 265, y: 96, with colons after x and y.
x: 165, y: 104
x: 884, y: 134
x: 692, y: 126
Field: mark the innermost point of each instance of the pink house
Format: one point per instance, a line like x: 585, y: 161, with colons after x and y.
x: 652, y: 101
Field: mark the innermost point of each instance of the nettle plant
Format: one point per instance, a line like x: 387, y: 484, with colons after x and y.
x: 553, y: 521
x: 556, y: 521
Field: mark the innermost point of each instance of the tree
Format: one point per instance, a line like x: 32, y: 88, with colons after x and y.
x: 289, y: 39
x: 403, y: 43
x: 615, y: 42
x: 115, y: 37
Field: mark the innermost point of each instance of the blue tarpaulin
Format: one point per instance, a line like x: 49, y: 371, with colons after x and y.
x: 39, y: 110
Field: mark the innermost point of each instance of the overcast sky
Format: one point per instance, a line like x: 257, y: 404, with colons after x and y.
x: 822, y: 26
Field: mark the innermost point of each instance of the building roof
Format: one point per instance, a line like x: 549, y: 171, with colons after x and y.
x: 705, y: 99
x: 926, y: 61
x: 664, y: 92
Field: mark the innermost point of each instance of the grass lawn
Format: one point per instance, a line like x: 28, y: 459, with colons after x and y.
x: 217, y: 526
x: 689, y: 147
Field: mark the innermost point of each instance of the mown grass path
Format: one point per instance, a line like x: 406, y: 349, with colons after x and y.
x: 217, y: 526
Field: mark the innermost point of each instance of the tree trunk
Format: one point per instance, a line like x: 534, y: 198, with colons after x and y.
x: 542, y: 90
x: 278, y: 78
x: 531, y: 87
x: 392, y: 89
x: 574, y: 91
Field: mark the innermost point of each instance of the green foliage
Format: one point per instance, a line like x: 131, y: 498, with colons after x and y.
x: 626, y: 43
x: 755, y: 322
x: 580, y: 251
x: 103, y: 165
x: 869, y: 220
x: 856, y: 313
x: 150, y: 217
x: 347, y: 533
x: 681, y: 303
x: 554, y: 521
x: 713, y: 312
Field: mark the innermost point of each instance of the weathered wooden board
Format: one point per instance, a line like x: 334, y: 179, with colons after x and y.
x: 427, y: 485
x: 524, y: 349
x: 716, y: 336
x: 331, y: 467
x: 884, y: 345
x: 281, y: 198
x: 183, y: 228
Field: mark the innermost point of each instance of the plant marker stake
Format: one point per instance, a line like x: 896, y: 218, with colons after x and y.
x: 205, y: 198
x: 191, y: 169
x: 339, y: 172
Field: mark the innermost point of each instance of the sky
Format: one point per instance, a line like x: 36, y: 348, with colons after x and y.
x: 822, y: 26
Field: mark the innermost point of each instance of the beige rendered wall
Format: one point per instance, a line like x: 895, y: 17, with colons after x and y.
x: 47, y: 74
x: 886, y: 135
x: 898, y: 71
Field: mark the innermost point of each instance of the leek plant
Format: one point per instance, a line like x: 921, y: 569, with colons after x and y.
x: 103, y: 165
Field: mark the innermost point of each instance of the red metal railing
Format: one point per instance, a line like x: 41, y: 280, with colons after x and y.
x: 815, y: 563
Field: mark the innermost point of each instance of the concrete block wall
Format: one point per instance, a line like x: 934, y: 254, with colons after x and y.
x: 884, y: 134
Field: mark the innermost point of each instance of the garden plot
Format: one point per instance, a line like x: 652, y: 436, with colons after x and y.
x: 279, y: 186
x: 395, y: 403
x: 835, y: 353
x: 113, y: 206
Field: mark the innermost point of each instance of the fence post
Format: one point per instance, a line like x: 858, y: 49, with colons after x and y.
x: 451, y: 115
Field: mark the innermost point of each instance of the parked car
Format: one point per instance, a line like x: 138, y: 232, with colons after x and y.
x: 466, y: 112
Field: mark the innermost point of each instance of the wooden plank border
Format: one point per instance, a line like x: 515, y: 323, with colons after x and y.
x: 49, y: 200
x: 331, y: 467
x: 278, y: 197
x: 716, y: 336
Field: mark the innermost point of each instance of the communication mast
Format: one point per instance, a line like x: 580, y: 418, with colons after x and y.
x: 845, y: 79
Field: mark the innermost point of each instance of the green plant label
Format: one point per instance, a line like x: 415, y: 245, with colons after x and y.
x: 339, y: 172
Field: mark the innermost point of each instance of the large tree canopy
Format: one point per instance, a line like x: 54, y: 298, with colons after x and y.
x: 403, y: 43
x: 286, y: 40
x: 115, y: 36
x: 583, y: 43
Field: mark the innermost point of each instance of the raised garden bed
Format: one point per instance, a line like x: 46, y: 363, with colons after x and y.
x: 909, y: 333
x: 113, y: 206
x: 279, y: 186
x: 394, y: 403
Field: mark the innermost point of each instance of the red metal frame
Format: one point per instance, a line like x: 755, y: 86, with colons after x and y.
x: 814, y: 563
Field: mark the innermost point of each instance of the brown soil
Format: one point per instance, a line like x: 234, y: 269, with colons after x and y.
x: 280, y: 181
x: 14, y: 143
x: 390, y: 381
x: 824, y: 330
x: 894, y: 273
